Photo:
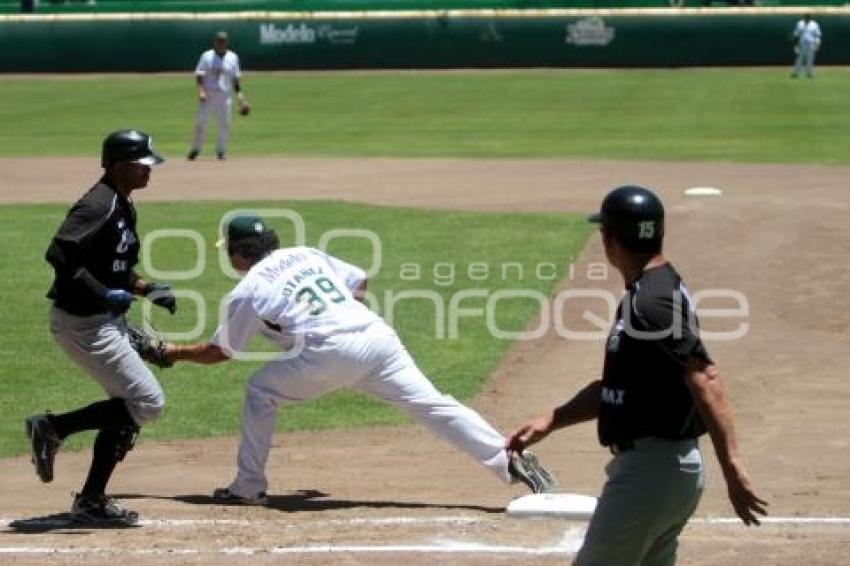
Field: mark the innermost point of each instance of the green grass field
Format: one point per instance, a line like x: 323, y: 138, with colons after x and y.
x: 206, y: 400
x: 748, y: 115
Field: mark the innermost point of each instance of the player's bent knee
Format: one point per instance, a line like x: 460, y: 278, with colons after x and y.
x: 257, y: 393
x: 147, y: 410
x: 155, y: 410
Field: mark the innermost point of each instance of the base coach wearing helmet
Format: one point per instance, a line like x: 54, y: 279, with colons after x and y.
x: 659, y: 392
x: 93, y: 254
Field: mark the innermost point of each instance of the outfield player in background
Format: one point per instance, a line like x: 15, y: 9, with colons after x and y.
x: 807, y: 38
x: 659, y: 392
x: 216, y: 75
x: 308, y: 303
x: 93, y: 254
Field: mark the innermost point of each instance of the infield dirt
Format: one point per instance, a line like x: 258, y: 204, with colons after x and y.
x: 779, y: 235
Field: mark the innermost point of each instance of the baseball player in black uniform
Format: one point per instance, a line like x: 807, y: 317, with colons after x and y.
x: 659, y: 392
x: 93, y: 254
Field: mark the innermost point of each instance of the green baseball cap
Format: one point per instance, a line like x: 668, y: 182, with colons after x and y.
x: 241, y: 227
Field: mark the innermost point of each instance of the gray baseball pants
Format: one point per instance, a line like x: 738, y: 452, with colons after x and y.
x: 651, y: 492
x: 99, y: 344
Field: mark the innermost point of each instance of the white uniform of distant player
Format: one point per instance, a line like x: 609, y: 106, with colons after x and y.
x: 808, y: 36
x: 217, y: 74
x: 301, y: 298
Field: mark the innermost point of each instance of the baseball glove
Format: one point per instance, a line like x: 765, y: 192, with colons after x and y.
x: 149, y: 348
x: 244, y: 108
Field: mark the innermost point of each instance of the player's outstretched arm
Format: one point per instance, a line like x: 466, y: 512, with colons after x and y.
x: 584, y: 406
x: 204, y: 353
x: 706, y: 386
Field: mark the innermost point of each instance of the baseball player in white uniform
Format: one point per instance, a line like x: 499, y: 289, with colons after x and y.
x: 306, y: 302
x: 807, y: 38
x: 216, y: 75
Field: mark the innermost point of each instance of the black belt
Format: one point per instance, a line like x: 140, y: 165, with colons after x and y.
x: 620, y: 446
x: 77, y: 310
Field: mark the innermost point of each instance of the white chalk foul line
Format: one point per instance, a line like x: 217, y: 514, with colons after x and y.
x: 461, y: 548
x: 81, y: 550
x: 775, y: 520
x: 443, y: 548
x: 372, y: 521
x: 568, y: 545
x: 377, y: 521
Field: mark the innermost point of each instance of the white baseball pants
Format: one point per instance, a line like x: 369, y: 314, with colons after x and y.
x: 805, y: 61
x: 371, y: 360
x: 217, y: 103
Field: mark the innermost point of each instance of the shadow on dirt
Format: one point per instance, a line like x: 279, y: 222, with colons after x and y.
x: 305, y: 500
x: 58, y: 522
x: 314, y: 500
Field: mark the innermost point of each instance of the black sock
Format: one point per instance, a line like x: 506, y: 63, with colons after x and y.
x: 100, y: 415
x: 103, y: 462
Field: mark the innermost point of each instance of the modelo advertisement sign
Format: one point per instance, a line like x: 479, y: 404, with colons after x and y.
x: 568, y: 38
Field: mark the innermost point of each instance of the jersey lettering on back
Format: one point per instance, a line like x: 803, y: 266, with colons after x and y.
x: 294, y: 292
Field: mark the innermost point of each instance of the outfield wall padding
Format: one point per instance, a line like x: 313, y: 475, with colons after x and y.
x: 574, y: 38
x: 204, y: 6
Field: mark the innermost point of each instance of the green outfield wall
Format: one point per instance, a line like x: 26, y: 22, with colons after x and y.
x: 421, y: 39
x: 134, y: 6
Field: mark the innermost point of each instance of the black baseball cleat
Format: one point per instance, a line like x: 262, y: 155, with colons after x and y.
x: 221, y: 156
x: 44, y: 443
x: 525, y: 467
x: 101, y: 511
x: 192, y: 155
x: 224, y: 496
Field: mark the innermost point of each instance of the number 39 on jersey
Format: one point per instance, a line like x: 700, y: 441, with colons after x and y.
x: 317, y: 294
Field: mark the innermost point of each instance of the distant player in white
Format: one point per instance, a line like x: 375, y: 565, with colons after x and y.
x: 306, y: 302
x: 807, y: 39
x: 217, y: 74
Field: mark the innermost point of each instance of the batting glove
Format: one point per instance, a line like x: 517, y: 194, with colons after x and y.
x: 118, y: 301
x: 160, y: 294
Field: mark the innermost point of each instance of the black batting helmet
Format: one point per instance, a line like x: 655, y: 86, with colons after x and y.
x: 634, y: 215
x: 128, y: 145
